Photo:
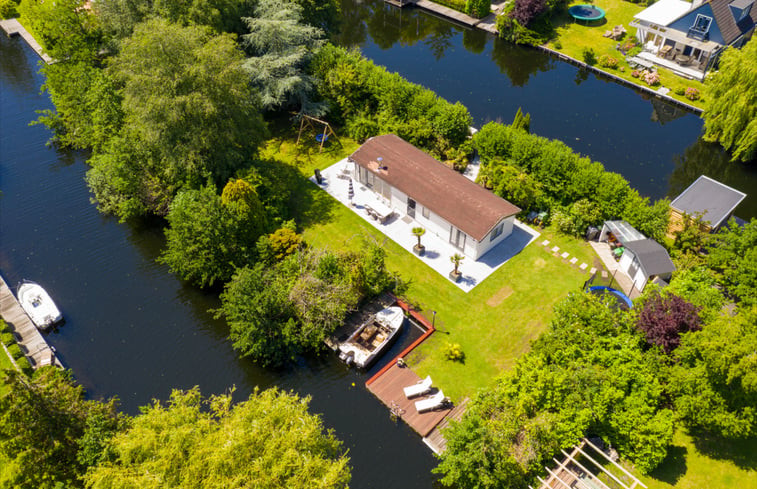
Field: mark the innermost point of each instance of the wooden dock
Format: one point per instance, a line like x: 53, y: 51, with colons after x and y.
x: 13, y: 27
x: 388, y: 388
x: 448, y: 13
x: 27, y: 335
x: 435, y: 440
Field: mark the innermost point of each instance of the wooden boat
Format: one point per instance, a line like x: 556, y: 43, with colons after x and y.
x: 38, y: 305
x: 372, y: 337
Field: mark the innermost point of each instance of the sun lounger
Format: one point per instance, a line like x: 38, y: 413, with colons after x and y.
x: 430, y: 403
x: 418, y: 389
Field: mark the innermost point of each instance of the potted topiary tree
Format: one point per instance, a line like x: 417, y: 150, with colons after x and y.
x: 455, y: 274
x: 419, y: 249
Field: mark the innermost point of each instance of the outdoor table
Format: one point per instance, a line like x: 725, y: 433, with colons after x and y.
x: 379, y: 210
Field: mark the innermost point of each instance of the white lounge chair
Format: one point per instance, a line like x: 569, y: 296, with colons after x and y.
x: 430, y: 403
x: 418, y: 389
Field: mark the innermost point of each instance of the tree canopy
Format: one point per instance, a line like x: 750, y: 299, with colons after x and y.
x: 269, y: 440
x: 44, y: 422
x: 731, y: 102
x: 732, y: 255
x: 189, y: 117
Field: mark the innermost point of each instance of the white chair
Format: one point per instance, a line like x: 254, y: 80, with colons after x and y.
x: 418, y: 389
x: 430, y: 403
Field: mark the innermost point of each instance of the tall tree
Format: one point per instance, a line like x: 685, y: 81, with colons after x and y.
x: 731, y: 102
x: 714, y: 383
x: 42, y: 422
x: 732, y: 254
x: 282, y: 47
x: 270, y: 440
x: 189, y: 117
x: 209, y: 236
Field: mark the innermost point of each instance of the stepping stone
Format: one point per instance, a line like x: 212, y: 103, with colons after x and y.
x: 545, y: 242
x: 573, y: 260
x: 565, y: 255
x: 593, y: 270
x: 555, y: 249
x: 604, y: 274
x: 583, y: 266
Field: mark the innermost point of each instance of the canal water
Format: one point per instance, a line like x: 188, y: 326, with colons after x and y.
x: 134, y: 331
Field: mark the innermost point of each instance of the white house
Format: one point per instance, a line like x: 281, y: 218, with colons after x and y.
x: 436, y: 197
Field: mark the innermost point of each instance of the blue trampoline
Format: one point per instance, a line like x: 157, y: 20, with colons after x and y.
x: 619, y: 299
x: 586, y: 12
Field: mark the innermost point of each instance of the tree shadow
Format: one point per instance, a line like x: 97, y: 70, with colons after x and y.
x: 673, y: 467
x: 743, y: 453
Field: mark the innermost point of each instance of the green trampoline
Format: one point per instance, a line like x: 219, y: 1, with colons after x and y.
x: 586, y: 12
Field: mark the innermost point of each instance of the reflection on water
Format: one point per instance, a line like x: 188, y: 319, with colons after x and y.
x: 638, y: 136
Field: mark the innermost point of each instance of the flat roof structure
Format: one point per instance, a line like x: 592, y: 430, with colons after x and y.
x: 713, y: 200
x: 664, y: 12
x: 461, y: 202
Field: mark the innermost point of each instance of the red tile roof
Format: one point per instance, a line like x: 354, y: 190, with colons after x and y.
x: 461, y: 202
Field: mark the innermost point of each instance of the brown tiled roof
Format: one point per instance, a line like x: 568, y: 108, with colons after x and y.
x: 461, y: 202
x: 729, y: 29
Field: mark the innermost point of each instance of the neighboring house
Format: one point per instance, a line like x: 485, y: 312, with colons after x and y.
x: 688, y: 37
x: 708, y: 198
x: 438, y: 198
x: 643, y: 259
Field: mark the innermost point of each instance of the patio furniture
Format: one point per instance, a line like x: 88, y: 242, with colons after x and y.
x: 379, y: 211
x: 665, y: 50
x: 418, y: 389
x: 429, y: 404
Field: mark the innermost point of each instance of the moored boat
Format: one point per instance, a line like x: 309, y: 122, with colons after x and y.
x: 38, y: 305
x: 372, y: 337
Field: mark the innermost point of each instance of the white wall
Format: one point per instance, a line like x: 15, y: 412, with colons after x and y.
x: 486, y: 244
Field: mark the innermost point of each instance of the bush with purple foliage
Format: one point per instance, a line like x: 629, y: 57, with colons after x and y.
x: 526, y: 10
x: 664, y: 318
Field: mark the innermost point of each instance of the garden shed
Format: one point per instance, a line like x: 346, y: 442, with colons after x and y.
x: 713, y: 200
x: 436, y: 197
x: 643, y: 259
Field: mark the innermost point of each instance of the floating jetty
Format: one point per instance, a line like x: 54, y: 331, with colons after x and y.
x: 27, y: 335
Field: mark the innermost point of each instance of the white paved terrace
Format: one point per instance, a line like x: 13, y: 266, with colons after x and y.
x: 398, y: 228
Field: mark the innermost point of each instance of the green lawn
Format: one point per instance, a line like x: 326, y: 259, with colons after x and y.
x: 494, y: 323
x: 5, y: 363
x: 703, y: 463
x: 574, y: 37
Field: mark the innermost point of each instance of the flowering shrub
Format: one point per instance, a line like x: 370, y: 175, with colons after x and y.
x: 607, y: 61
x: 692, y: 93
x: 651, y: 77
x: 635, y: 73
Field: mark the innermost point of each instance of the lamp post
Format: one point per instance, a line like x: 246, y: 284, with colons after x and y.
x: 433, y: 320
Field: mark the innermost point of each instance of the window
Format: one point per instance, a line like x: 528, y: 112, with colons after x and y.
x: 497, y: 231
x: 702, y: 23
x: 426, y: 213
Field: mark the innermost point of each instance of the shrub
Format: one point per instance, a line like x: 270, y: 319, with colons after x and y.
x: 652, y: 78
x: 680, y: 91
x: 590, y: 58
x: 24, y: 365
x: 636, y: 73
x: 607, y: 61
x: 634, y: 51
x: 664, y: 318
x: 8, y: 9
x: 478, y: 8
x: 692, y: 93
x: 15, y: 351
x: 454, y: 352
x: 7, y: 338
x: 558, y: 45
x: 4, y: 327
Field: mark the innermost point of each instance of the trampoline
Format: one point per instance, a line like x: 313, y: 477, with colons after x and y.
x: 586, y: 12
x: 616, y: 298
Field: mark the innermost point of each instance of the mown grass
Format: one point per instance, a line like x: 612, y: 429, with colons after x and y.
x: 574, y: 37
x: 494, y: 323
x: 5, y: 363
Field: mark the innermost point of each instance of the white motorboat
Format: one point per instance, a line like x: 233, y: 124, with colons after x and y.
x: 38, y: 305
x: 371, y: 338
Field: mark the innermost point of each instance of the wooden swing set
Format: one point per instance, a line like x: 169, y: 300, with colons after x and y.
x: 320, y: 137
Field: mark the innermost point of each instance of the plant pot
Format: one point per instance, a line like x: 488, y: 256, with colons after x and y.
x: 455, y: 276
x: 419, y: 250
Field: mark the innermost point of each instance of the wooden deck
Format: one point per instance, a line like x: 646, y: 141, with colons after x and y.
x: 435, y: 440
x: 27, y: 335
x: 448, y: 12
x: 388, y: 388
x: 13, y: 27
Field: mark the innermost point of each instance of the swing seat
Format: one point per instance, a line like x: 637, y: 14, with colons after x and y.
x: 321, y: 138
